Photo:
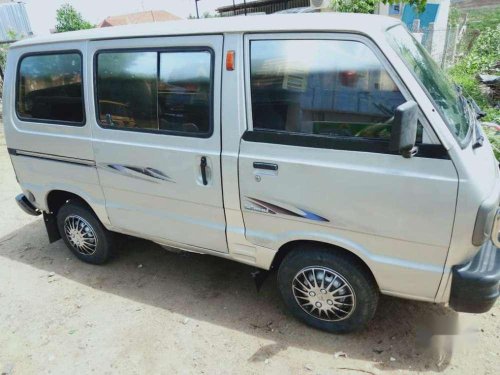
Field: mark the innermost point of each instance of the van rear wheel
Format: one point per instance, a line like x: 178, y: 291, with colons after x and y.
x: 83, y: 233
x: 328, y: 290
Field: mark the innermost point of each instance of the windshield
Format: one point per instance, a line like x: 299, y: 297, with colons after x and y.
x: 444, y: 93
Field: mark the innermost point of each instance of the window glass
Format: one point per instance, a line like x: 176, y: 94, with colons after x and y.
x: 162, y: 91
x: 442, y: 90
x: 50, y: 88
x: 184, y: 92
x: 322, y: 87
x: 127, y: 89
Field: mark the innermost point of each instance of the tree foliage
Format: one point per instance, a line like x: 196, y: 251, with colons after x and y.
x: 354, y: 6
x: 69, y: 19
x: 482, y: 57
x: 368, y: 6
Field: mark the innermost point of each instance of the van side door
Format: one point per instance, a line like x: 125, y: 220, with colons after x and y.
x: 315, y: 163
x: 156, y: 134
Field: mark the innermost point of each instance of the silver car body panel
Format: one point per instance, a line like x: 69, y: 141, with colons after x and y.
x: 409, y: 220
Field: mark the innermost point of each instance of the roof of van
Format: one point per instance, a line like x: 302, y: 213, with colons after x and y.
x: 364, y: 23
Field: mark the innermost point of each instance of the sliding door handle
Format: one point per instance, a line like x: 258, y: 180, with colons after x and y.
x: 266, y: 166
x: 203, y: 167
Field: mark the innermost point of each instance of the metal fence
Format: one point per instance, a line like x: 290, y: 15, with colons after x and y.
x: 448, y: 45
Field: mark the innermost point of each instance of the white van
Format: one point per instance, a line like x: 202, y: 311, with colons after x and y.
x: 329, y: 147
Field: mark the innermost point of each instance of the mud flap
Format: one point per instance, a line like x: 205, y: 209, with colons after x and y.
x: 51, y: 227
x: 259, y: 276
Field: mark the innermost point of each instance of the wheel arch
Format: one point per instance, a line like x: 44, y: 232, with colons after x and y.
x: 57, y: 197
x: 290, y: 246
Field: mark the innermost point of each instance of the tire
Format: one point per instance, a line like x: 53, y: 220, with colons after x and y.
x: 331, y: 277
x: 90, y: 242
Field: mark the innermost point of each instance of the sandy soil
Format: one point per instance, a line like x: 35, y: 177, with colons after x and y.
x: 153, y: 311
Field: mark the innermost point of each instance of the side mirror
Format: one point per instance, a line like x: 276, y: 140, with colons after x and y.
x: 404, y: 130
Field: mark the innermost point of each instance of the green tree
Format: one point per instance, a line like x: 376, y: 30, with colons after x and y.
x: 69, y: 19
x: 353, y: 6
x: 368, y: 6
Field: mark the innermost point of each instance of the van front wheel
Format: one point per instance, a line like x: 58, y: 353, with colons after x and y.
x: 83, y: 233
x: 328, y: 290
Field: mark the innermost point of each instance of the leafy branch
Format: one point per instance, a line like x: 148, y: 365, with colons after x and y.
x: 69, y: 19
x: 368, y: 6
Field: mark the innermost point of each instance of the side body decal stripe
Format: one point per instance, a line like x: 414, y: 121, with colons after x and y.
x: 51, y: 157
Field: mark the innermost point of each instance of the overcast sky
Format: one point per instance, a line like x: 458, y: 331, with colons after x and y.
x: 42, y: 13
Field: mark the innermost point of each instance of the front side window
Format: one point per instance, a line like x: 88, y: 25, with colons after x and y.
x: 155, y: 91
x: 49, y: 88
x: 321, y: 87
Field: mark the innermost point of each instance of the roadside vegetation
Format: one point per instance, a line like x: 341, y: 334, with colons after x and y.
x: 368, y: 6
x: 480, y: 54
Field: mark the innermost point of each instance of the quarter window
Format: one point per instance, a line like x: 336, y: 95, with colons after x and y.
x: 157, y: 91
x: 49, y: 88
x: 322, y: 87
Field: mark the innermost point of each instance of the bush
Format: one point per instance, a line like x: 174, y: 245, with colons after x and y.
x: 483, y: 57
x: 494, y: 137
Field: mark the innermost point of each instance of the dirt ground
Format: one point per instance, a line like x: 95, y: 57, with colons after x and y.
x: 151, y: 311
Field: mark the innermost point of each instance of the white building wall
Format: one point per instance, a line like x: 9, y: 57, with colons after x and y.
x: 440, y: 30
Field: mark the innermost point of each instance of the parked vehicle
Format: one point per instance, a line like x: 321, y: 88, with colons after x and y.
x: 328, y: 147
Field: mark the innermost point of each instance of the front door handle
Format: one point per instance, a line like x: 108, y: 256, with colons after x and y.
x: 203, y: 168
x: 266, y: 166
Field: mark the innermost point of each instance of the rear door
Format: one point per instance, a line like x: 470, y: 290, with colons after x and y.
x: 315, y: 162
x: 157, y: 137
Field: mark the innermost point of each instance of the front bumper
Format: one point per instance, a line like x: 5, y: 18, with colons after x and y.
x: 26, y: 205
x: 475, y: 284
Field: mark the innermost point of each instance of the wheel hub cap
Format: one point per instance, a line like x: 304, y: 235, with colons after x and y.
x: 80, y: 234
x: 323, y: 293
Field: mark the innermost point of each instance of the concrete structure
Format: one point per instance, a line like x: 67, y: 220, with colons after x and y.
x: 13, y: 20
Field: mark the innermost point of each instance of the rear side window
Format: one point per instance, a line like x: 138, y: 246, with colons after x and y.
x: 49, y: 88
x: 126, y: 89
x: 321, y: 87
x: 159, y: 91
x: 184, y: 92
